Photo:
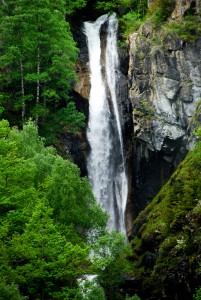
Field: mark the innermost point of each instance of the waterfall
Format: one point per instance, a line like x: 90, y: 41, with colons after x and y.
x: 105, y: 164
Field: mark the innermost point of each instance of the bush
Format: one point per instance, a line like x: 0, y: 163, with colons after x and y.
x: 197, y: 296
x: 10, y: 292
x: 121, y: 6
x: 160, y: 10
x: 130, y: 22
x: 189, y: 29
x: 135, y: 297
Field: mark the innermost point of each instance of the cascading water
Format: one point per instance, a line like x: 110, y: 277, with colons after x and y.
x: 106, y: 166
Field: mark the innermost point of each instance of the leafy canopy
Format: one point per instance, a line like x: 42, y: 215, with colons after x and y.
x: 38, y: 55
x: 50, y: 222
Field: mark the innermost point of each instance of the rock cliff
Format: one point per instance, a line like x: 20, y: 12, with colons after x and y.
x: 164, y: 88
x: 181, y: 6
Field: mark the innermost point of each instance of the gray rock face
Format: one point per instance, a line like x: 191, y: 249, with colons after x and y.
x: 164, y: 88
x: 181, y: 6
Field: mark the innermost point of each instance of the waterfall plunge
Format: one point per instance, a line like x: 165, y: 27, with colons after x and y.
x: 106, y: 166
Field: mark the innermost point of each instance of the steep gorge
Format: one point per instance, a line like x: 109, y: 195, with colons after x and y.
x: 160, y: 87
x: 82, y: 93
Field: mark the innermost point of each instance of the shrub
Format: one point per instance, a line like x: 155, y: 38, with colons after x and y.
x: 197, y: 296
x: 160, y: 10
x: 130, y: 22
x: 135, y: 297
x: 189, y: 29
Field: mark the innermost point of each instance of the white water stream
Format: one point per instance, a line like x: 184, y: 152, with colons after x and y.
x: 106, y: 165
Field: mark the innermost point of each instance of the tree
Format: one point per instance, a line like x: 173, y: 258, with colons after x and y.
x: 52, y: 231
x: 110, y: 254
x: 72, y: 199
x: 197, y: 296
x: 10, y: 292
x: 31, y: 147
x: 48, y: 262
x: 35, y: 254
x: 71, y: 6
x: 16, y: 174
x: 90, y: 290
x: 38, y: 55
x: 123, y: 6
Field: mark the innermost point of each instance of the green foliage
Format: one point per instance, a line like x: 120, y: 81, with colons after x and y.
x: 123, y: 6
x: 110, y: 6
x: 10, y: 292
x: 71, y: 196
x: 45, y: 254
x: 198, y: 295
x: 38, y: 54
x: 71, y: 118
x: 145, y: 112
x: 195, y: 119
x: 198, y: 133
x: 169, y: 229
x: 114, y: 263
x: 66, y: 119
x: 188, y: 29
x: 146, y: 108
x: 1, y: 110
x: 90, y: 290
x: 135, y: 297
x: 50, y: 222
x: 130, y: 22
x: 160, y: 10
x: 31, y: 236
x: 72, y: 6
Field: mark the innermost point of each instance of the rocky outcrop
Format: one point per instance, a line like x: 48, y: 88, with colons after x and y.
x: 82, y: 86
x: 180, y: 7
x: 166, y: 237
x: 164, y: 88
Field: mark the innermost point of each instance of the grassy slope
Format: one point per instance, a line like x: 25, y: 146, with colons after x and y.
x: 167, y: 242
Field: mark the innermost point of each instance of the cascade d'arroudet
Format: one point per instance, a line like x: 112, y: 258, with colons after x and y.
x: 106, y: 163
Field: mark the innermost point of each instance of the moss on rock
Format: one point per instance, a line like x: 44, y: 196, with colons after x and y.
x: 167, y: 236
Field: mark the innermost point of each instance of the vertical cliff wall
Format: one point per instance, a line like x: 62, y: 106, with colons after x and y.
x: 164, y: 88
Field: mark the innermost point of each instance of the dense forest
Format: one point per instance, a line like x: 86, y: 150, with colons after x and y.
x: 54, y: 236
x: 50, y: 222
x: 38, y: 54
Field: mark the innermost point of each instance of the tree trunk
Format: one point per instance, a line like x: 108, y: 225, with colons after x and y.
x: 38, y: 83
x: 44, y: 104
x: 22, y: 90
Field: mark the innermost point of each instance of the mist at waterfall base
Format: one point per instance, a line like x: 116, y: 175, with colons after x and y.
x: 105, y: 163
